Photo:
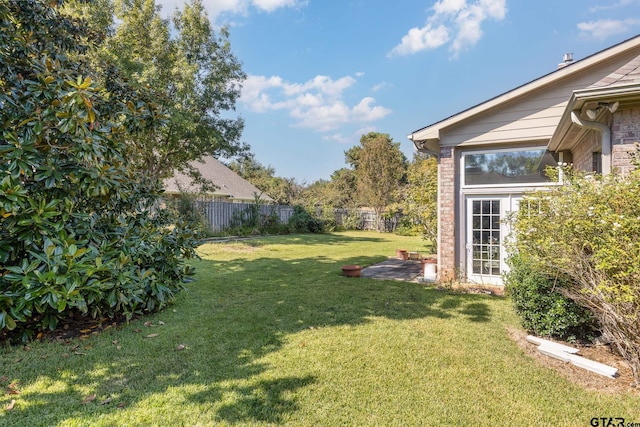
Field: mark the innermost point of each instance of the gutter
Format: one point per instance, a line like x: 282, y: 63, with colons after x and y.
x: 605, y: 138
x: 420, y: 146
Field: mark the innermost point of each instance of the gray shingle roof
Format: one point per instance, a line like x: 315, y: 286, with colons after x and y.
x: 229, y: 183
x: 629, y: 73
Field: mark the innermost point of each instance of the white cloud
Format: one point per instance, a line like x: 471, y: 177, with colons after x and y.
x: 620, y: 3
x: 317, y: 104
x: 454, y: 21
x: 339, y: 138
x: 446, y: 7
x: 216, y: 7
x: 352, y: 138
x: 380, y: 86
x: 419, y: 39
x: 271, y: 5
x: 605, y: 28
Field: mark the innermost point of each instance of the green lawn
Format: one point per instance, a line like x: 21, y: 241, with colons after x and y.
x: 271, y: 333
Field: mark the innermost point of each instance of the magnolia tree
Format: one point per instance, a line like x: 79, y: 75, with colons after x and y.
x: 79, y: 230
x: 587, y: 231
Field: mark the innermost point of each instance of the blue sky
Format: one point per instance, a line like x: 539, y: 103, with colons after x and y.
x: 323, y: 72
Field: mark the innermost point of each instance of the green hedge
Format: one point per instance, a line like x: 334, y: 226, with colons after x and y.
x: 543, y: 310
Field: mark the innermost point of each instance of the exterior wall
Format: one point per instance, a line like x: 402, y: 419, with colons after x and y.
x: 583, y: 153
x: 447, y: 214
x: 533, y: 116
x: 528, y: 115
x: 625, y: 133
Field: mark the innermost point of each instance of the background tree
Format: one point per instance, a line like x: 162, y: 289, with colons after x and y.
x: 338, y: 192
x: 317, y: 195
x: 380, y: 171
x: 191, y: 72
x: 76, y: 229
x: 420, y: 197
x: 284, y: 191
x: 352, y: 156
x: 344, y: 186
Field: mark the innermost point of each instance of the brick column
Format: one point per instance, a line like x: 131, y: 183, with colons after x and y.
x: 625, y: 134
x: 446, y: 215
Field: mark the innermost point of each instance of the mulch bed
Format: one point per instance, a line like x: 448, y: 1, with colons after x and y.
x: 73, y: 326
x: 623, y: 383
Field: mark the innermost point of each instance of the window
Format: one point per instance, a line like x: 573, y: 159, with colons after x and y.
x: 486, y: 232
x: 597, y: 162
x: 508, y: 167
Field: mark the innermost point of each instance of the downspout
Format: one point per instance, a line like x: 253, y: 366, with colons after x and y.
x: 605, y: 138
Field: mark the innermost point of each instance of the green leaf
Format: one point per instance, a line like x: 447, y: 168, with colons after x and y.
x: 48, y: 249
x: 7, y: 321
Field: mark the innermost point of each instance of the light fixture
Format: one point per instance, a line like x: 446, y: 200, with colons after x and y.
x: 592, y: 113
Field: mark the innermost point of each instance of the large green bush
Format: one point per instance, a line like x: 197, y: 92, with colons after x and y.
x: 303, y: 222
x: 543, y: 310
x: 79, y: 231
x: 588, y: 231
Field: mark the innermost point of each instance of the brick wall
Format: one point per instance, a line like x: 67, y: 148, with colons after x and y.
x: 583, y: 154
x: 446, y: 214
x: 625, y: 133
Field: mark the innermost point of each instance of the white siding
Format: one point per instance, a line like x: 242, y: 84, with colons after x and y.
x: 531, y: 117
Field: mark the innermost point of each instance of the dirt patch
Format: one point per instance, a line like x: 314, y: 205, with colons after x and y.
x: 73, y: 326
x: 623, y: 383
x: 217, y: 248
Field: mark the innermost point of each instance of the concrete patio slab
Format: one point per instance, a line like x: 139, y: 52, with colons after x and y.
x: 393, y: 269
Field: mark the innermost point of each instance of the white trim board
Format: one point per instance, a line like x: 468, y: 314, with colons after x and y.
x: 568, y: 354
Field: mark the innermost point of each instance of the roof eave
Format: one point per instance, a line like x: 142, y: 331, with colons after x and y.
x: 583, y: 99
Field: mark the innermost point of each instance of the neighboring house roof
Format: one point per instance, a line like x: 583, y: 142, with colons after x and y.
x: 543, y: 100
x: 229, y: 184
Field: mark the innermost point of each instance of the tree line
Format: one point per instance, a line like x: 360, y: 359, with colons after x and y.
x: 377, y: 175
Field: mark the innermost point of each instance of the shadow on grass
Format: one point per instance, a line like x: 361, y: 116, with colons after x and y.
x: 236, y: 313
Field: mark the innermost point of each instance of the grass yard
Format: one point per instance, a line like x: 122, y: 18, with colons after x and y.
x: 271, y: 333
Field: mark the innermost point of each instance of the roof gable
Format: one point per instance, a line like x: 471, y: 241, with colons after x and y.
x: 556, y: 87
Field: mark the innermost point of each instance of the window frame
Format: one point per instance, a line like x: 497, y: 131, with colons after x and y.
x: 463, y: 176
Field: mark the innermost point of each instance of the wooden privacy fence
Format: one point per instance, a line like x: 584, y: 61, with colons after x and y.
x: 367, y: 219
x: 221, y: 215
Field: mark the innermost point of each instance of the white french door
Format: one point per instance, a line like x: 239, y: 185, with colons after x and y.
x: 486, y: 231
